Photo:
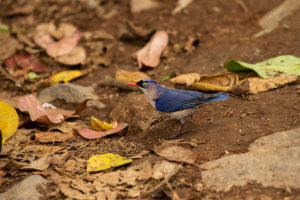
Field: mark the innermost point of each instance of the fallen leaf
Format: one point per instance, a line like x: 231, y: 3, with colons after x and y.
x: 53, y: 136
x: 9, y: 121
x: 91, y: 134
x: 181, y: 4
x: 255, y: 85
x: 140, y: 5
x: 72, y: 193
x: 27, y: 61
x: 42, y: 35
x: 105, y: 161
x: 186, y: 79
x: 217, y: 82
x: 65, y: 76
x: 75, y: 57
x: 40, y: 150
x: 31, y: 104
x: 277, y: 66
x: 39, y: 164
x: 149, y: 55
x: 130, y: 77
x: 176, y: 153
x: 98, y: 125
x: 164, y: 169
x: 64, y: 30
x: 8, y: 46
x: 63, y: 46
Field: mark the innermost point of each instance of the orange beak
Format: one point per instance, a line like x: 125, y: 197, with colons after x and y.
x: 133, y: 84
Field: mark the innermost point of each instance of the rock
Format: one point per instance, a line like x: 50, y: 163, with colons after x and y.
x: 25, y: 190
x: 68, y: 92
x: 272, y: 161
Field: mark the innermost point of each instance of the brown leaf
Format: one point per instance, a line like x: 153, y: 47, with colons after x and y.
x: 42, y: 34
x: 39, y: 164
x: 91, y: 134
x: 64, y: 46
x: 186, y: 79
x: 176, y: 153
x: 31, y: 104
x: 45, y: 137
x: 255, y: 85
x: 75, y: 57
x: 149, y: 55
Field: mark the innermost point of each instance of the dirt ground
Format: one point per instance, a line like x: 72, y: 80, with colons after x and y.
x: 224, y: 31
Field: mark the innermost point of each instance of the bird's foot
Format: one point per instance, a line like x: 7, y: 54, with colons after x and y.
x: 178, y: 134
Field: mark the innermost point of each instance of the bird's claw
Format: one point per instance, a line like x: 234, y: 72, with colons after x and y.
x: 178, y: 134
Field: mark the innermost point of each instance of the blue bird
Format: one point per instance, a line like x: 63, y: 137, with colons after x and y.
x: 177, y: 104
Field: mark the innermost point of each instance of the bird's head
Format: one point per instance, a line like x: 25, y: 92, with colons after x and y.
x: 148, y: 86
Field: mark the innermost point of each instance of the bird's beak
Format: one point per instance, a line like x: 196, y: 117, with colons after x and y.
x: 133, y: 84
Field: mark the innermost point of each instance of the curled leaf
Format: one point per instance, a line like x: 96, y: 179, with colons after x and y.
x: 64, y: 46
x: 9, y: 121
x: 98, y: 125
x: 217, y: 82
x: 149, y: 55
x: 31, y: 104
x: 75, y: 57
x: 91, y: 134
x: 186, y: 79
x: 65, y: 76
x: 105, y: 161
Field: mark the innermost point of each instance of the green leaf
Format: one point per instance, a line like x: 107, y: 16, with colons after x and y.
x: 32, y: 75
x: 105, y: 161
x: 278, y: 66
x: 4, y: 28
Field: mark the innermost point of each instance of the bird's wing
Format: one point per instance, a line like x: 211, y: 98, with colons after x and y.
x: 174, y: 100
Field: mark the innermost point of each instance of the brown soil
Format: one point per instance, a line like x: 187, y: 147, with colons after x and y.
x: 224, y: 30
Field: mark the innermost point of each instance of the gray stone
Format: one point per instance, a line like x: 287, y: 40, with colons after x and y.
x: 272, y: 161
x: 68, y: 92
x: 25, y: 190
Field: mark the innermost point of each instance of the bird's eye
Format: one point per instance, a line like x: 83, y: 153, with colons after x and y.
x: 144, y: 85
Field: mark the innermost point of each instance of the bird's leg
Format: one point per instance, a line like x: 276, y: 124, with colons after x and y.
x: 179, y: 131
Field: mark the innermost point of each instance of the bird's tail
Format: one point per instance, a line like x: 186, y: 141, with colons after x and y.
x: 220, y: 96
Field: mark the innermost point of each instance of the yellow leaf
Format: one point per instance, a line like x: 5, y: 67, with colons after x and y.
x: 129, y: 77
x: 105, y: 161
x: 216, y: 82
x: 65, y: 76
x: 98, y: 125
x: 9, y: 121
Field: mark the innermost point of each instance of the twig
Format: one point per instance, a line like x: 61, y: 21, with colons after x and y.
x: 242, y: 5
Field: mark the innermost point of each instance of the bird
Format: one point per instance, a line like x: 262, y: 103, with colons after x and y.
x: 176, y: 103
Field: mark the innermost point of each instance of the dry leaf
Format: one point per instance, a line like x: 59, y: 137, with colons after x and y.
x: 255, y: 85
x: 98, y: 125
x: 39, y: 164
x: 9, y: 121
x: 31, y: 104
x: 90, y: 134
x: 64, y: 30
x: 149, y: 55
x: 45, y: 137
x: 176, y: 153
x: 42, y: 34
x: 75, y: 57
x: 186, y: 79
x: 65, y: 76
x: 64, y: 46
x: 164, y: 169
x: 130, y: 77
x: 217, y: 82
x: 105, y: 161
